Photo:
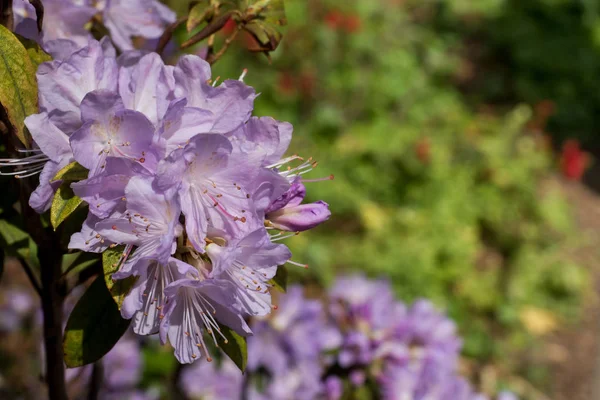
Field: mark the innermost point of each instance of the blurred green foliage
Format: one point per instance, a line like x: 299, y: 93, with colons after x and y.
x: 449, y: 203
x: 532, y: 51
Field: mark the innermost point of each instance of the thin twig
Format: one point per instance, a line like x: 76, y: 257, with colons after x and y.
x: 96, y: 381
x: 213, y: 59
x: 31, y: 276
x: 176, y: 391
x: 168, y: 34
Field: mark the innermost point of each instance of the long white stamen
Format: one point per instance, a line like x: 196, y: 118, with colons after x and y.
x: 31, y: 173
x: 243, y: 75
x: 276, y: 238
x: 297, y: 264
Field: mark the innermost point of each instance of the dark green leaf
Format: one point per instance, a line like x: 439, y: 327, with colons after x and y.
x: 235, y: 347
x: 280, y: 279
x: 110, y: 264
x: 94, y: 326
x: 64, y: 204
x: 18, y: 86
x: 73, y: 172
x: 78, y: 261
x: 18, y: 243
x: 267, y: 35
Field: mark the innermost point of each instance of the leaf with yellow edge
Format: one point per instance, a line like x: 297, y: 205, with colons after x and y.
x: 72, y: 172
x: 18, y: 86
x: 111, y: 258
x: 64, y: 204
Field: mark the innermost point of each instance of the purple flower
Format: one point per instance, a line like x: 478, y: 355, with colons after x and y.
x: 16, y: 305
x: 263, y: 138
x: 231, y: 103
x: 288, y: 214
x: 123, y: 365
x: 334, y: 388
x: 54, y: 153
x: 151, y: 223
x: 63, y: 19
x: 88, y: 239
x: 146, y: 300
x: 126, y: 19
x: 105, y: 192
x: 109, y: 130
x: 147, y: 86
x: 203, y: 380
x: 194, y: 307
x: 297, y: 332
x: 213, y: 186
x: 367, y: 304
x: 180, y: 124
x: 249, y: 263
x: 64, y: 83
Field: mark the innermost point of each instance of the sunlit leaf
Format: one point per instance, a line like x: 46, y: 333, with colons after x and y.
x: 36, y: 54
x: 110, y: 264
x: 199, y: 14
x: 64, y: 204
x: 18, y: 86
x: 73, y: 172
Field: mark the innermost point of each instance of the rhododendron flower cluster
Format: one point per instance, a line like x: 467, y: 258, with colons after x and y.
x: 362, y: 337
x: 196, y: 191
x: 69, y: 19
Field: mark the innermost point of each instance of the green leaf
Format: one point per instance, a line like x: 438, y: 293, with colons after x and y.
x: 36, y: 54
x: 235, y: 347
x: 110, y: 264
x: 17, y: 242
x: 268, y: 15
x: 267, y: 35
x: 280, y: 279
x: 64, y: 204
x: 78, y: 261
x: 94, y: 326
x: 18, y: 86
x: 73, y: 172
x: 271, y: 11
x: 200, y: 13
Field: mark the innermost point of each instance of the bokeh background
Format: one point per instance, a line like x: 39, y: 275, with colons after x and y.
x: 462, y: 136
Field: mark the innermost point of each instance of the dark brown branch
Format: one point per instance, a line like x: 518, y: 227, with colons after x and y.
x: 96, y: 381
x: 31, y: 276
x: 53, y: 292
x: 52, y: 288
x: 6, y: 14
x: 168, y: 34
x: 39, y: 13
x: 208, y: 30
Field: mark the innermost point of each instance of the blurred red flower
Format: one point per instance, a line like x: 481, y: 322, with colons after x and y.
x: 423, y: 150
x: 352, y: 23
x: 573, y: 161
x: 334, y: 19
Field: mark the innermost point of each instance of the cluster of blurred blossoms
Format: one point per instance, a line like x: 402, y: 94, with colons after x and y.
x: 362, y: 339
x: 125, y: 20
x: 193, y: 189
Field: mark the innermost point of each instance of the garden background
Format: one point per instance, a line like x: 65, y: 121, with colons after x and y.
x: 461, y: 135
